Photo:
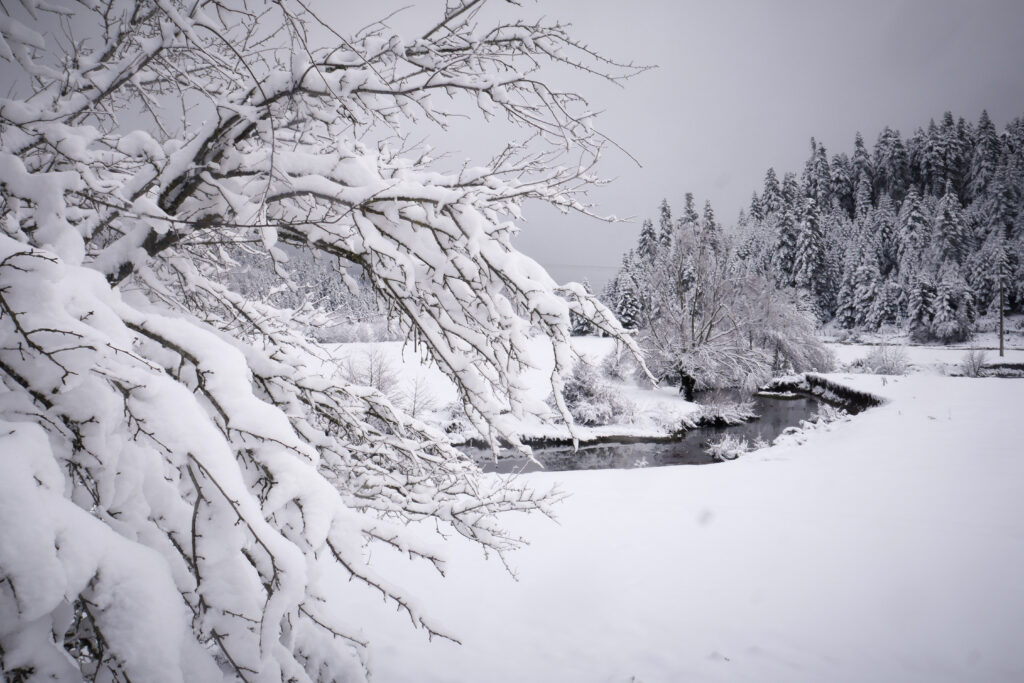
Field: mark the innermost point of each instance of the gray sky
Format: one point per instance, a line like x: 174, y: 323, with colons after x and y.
x: 743, y: 85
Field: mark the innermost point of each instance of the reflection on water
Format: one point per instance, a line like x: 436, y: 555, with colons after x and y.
x: 775, y: 416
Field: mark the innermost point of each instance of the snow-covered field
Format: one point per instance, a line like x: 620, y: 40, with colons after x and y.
x: 884, y: 548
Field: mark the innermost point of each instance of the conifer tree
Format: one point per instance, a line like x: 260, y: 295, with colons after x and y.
x: 846, y: 310
x: 817, y: 176
x: 932, y: 160
x: 665, y: 225
x: 627, y: 308
x: 810, y: 266
x: 647, y: 246
x: 861, y: 162
x: 950, y: 229
x: 756, y: 213
x: 863, y: 205
x: 953, y: 306
x: 771, y: 196
x: 690, y: 220
x: 579, y: 325
x: 710, y: 230
x: 842, y: 185
x: 784, y: 258
x: 890, y: 165
x: 920, y: 307
x: 914, y: 230
x: 866, y: 285
x: 984, y: 156
x: 888, y: 236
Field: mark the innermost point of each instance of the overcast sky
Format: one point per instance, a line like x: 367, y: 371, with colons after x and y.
x: 743, y: 85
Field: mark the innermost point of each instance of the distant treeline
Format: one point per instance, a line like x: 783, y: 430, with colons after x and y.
x: 925, y: 232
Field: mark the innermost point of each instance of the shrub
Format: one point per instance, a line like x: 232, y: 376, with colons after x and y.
x: 591, y: 400
x: 724, y: 413
x: 727, y: 448
x: 973, y: 362
x: 620, y: 366
x: 372, y: 368
x: 887, y: 360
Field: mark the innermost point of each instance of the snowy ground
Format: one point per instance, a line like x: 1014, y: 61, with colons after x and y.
x: 941, y: 359
x: 885, y: 548
x: 658, y: 413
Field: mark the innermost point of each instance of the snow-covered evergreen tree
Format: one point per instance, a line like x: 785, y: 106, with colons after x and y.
x: 984, y: 157
x: 914, y: 231
x: 665, y: 225
x: 787, y: 229
x: 867, y: 283
x: 647, y: 246
x: 771, y: 195
x: 920, y: 307
x: 862, y: 171
x: 950, y: 229
x: 810, y: 270
x: 953, y: 308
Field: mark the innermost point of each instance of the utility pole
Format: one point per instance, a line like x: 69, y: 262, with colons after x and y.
x: 1000, y: 309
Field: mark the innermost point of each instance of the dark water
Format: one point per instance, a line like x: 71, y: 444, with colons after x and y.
x: 775, y: 416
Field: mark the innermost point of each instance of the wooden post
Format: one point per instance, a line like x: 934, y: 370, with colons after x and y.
x: 1001, y: 310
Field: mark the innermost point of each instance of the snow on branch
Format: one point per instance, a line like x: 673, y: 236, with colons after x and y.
x: 186, y: 477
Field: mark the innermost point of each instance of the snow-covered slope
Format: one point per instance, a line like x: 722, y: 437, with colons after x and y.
x: 885, y: 548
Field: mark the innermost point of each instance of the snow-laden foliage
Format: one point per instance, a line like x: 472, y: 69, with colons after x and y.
x: 886, y: 359
x: 711, y: 317
x: 592, y: 400
x: 718, y: 413
x: 926, y: 232
x: 187, y: 488
x: 728, y: 447
x: 973, y: 362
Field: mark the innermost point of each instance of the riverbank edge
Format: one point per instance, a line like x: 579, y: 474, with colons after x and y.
x: 806, y: 384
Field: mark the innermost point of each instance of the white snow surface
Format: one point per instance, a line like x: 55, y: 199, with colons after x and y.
x: 887, y: 547
x: 658, y: 410
x: 945, y: 359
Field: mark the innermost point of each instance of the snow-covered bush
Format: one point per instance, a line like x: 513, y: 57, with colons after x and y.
x: 724, y: 413
x: 593, y: 401
x: 826, y: 414
x: 727, y: 447
x: 973, y: 362
x: 187, y: 491
x: 372, y: 368
x: 886, y: 359
x: 621, y: 366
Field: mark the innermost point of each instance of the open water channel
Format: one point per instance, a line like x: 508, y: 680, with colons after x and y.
x: 775, y: 415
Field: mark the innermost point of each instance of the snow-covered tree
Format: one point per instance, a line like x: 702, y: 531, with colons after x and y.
x: 665, y: 225
x: 914, y: 231
x: 949, y: 229
x: 984, y: 156
x: 581, y: 326
x: 952, y: 307
x: 787, y: 230
x: 187, y: 488
x: 810, y: 266
x: 647, y: 246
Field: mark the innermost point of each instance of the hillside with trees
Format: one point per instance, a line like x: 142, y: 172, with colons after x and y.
x: 921, y: 233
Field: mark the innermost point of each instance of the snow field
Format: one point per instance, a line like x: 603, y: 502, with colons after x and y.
x: 884, y: 548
